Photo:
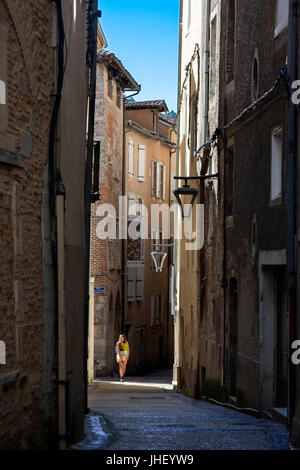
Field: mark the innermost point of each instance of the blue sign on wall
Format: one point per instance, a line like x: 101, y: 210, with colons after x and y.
x: 99, y: 290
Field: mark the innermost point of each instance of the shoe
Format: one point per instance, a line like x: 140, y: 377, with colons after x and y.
x: 121, y: 380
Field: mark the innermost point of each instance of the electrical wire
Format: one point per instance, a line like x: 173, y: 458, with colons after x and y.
x: 281, y: 77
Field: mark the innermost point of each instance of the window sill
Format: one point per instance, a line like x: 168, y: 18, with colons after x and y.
x: 275, y: 202
x: 280, y: 29
x: 10, y: 159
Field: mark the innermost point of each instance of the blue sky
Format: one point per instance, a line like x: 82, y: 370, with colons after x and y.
x: 144, y: 36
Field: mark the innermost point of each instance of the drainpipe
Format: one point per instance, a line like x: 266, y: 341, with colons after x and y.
x: 176, y: 254
x: 56, y: 202
x: 206, y: 66
x: 291, y: 202
x: 93, y: 15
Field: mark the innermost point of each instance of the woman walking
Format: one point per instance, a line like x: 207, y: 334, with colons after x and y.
x: 122, y: 350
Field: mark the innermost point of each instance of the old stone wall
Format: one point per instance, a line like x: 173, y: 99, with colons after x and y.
x: 26, y: 69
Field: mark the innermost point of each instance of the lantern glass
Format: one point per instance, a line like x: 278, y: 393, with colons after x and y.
x: 158, y: 259
x: 186, y: 196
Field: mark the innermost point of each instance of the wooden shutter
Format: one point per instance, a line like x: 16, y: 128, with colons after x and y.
x: 158, y: 186
x: 152, y: 309
x: 162, y: 301
x: 164, y: 183
x: 157, y: 309
x: 142, y: 163
x: 131, y: 286
x: 153, y: 178
x: 130, y: 159
x: 140, y: 284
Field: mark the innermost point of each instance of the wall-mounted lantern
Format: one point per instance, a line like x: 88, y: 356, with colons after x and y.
x: 159, y: 256
x: 187, y: 195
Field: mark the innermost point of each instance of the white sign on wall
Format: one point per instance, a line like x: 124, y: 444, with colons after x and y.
x: 2, y: 353
x: 2, y: 92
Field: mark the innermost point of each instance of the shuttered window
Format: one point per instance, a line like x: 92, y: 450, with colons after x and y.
x: 130, y: 159
x: 142, y: 163
x: 162, y: 301
x: 158, y: 180
x: 157, y: 309
x: 152, y: 310
x: 131, y: 287
x: 140, y: 284
x: 153, y: 178
x: 282, y: 16
x: 164, y: 183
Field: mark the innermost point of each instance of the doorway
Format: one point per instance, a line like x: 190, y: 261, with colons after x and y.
x: 273, y: 332
x: 233, y: 325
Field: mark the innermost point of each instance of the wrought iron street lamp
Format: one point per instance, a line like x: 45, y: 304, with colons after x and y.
x: 159, y: 256
x: 186, y: 194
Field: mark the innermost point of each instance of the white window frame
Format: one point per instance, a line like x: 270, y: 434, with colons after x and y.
x: 276, y: 164
x: 281, y: 24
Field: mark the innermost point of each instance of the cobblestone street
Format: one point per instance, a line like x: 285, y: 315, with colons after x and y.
x: 144, y: 413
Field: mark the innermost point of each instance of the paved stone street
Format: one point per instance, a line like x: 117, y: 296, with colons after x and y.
x: 144, y: 413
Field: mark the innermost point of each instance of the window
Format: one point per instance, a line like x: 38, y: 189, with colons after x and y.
x: 230, y: 59
x: 160, y: 181
x: 276, y: 165
x: 281, y: 16
x: 229, y: 182
x: 153, y: 178
x: 119, y: 95
x: 152, y: 310
x: 213, y: 57
x: 157, y: 309
x: 142, y: 163
x: 140, y: 284
x: 255, y: 77
x: 130, y: 159
x: 162, y: 304
x: 110, y: 87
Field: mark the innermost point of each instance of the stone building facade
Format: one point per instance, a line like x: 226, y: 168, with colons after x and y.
x: 42, y: 256
x: 106, y: 254
x: 150, y: 142
x: 256, y: 330
x: 198, y: 294
x: 240, y: 280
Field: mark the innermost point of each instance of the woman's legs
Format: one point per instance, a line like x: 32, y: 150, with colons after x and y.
x: 121, y: 369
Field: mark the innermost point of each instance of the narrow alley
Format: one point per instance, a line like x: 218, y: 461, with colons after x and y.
x: 145, y: 413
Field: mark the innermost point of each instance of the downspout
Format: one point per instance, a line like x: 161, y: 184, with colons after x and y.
x: 176, y: 378
x: 124, y: 179
x: 56, y: 203
x: 93, y: 15
x: 202, y: 183
x: 206, y: 66
x: 291, y: 202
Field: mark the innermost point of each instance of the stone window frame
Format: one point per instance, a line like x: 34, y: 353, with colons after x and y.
x: 276, y: 130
